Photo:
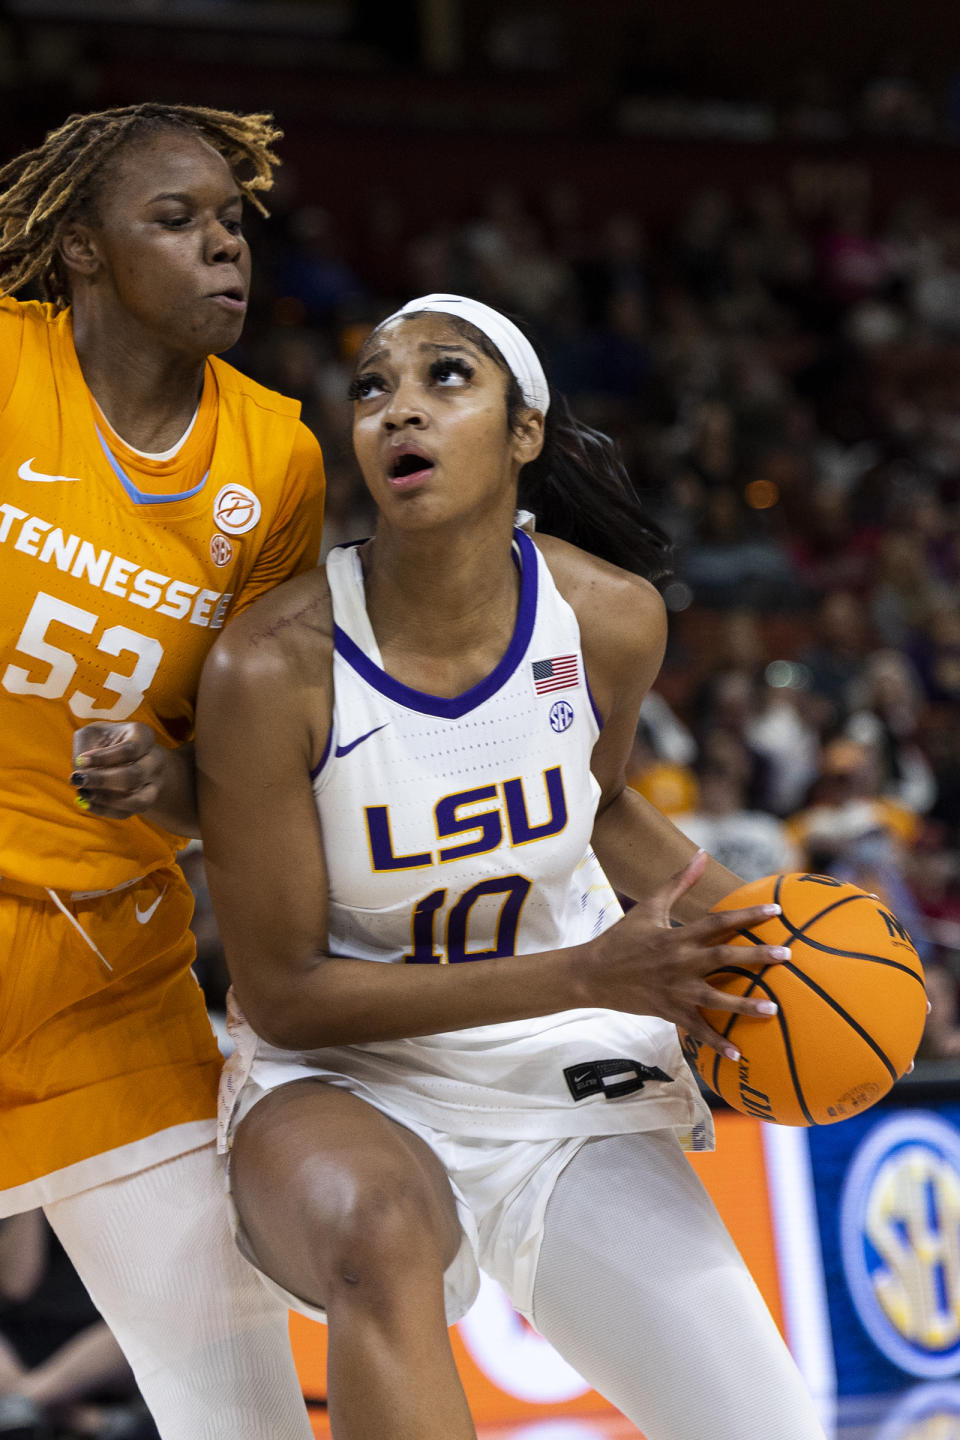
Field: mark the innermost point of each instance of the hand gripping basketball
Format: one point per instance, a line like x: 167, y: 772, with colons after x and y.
x: 851, y: 1004
x: 646, y: 965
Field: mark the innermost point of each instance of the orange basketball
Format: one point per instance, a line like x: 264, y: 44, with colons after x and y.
x: 852, y: 1005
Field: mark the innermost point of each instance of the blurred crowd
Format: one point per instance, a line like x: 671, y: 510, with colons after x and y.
x: 782, y: 373
x: 781, y: 370
x: 62, y: 1374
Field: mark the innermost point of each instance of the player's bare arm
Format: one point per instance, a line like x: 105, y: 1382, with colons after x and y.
x: 623, y: 631
x: 263, y: 724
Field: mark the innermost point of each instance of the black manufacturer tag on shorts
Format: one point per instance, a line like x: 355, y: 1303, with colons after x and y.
x: 610, y: 1078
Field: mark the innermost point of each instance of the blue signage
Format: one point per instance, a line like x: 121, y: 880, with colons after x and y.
x: 887, y: 1193
x: 931, y: 1410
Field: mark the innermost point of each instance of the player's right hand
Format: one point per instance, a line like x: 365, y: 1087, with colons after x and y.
x: 118, y: 768
x: 646, y: 965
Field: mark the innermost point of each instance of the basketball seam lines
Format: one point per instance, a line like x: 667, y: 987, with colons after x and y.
x: 847, y: 954
x: 801, y: 934
x: 756, y: 980
x: 835, y: 905
x: 784, y: 1031
x: 811, y: 984
x: 730, y: 1023
x: 732, y: 1019
x: 835, y: 1005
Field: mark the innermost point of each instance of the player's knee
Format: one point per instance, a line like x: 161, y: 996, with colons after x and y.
x: 380, y: 1231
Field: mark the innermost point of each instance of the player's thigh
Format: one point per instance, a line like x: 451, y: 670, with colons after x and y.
x: 709, y: 1360
x: 326, y: 1186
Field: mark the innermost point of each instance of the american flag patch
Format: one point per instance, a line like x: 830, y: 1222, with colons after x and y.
x: 560, y: 673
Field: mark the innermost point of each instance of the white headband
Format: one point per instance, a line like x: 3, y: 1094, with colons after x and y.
x: 509, y: 340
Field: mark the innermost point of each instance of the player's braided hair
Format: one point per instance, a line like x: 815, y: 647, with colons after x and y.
x: 43, y: 189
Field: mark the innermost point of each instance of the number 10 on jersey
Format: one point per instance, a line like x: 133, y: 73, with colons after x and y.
x: 514, y: 890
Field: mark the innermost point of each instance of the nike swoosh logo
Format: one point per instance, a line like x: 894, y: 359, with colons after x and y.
x: 345, y: 749
x: 27, y: 472
x: 144, y: 915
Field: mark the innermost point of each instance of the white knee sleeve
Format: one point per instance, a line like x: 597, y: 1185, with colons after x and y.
x: 207, y: 1342
x: 641, y: 1289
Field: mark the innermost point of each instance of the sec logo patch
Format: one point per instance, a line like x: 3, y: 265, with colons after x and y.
x: 221, y: 550
x: 561, y: 716
x: 236, y: 509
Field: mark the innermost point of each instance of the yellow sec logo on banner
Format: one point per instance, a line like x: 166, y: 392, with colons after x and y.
x: 899, y: 1222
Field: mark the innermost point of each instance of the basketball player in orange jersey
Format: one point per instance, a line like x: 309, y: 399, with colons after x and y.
x: 148, y: 493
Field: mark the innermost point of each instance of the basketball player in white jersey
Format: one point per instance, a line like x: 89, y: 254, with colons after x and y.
x: 453, y: 1049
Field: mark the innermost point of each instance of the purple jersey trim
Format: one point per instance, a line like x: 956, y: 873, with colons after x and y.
x: 325, y: 756
x: 452, y: 708
x: 596, y: 713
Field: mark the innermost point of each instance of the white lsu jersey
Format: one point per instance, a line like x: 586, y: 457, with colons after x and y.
x: 458, y: 830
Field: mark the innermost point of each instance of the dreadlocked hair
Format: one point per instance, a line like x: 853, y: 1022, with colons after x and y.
x: 43, y: 189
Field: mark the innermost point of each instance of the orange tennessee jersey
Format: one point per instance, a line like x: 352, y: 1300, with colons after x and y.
x: 117, y: 572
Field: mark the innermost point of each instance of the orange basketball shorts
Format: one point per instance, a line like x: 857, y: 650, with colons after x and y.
x: 107, y: 1060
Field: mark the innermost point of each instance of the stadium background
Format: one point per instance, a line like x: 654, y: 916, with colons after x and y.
x: 735, y: 232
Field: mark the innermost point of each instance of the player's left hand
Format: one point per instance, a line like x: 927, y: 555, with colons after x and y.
x: 118, y: 768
